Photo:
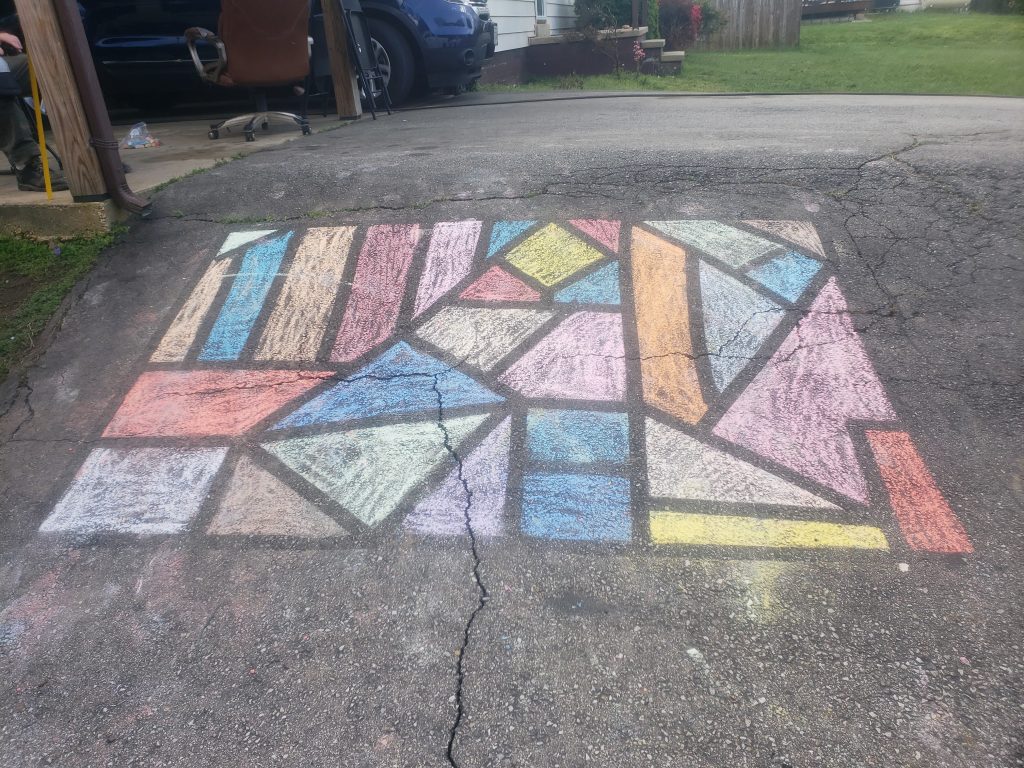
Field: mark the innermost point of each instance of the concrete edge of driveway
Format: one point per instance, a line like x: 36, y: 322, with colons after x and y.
x: 492, y: 99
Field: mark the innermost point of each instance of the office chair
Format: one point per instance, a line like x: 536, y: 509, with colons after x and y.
x: 260, y: 44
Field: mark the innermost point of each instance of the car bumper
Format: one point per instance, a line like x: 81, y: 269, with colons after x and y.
x: 458, y: 61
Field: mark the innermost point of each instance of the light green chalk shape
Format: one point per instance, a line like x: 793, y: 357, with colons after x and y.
x: 369, y: 471
x: 238, y: 239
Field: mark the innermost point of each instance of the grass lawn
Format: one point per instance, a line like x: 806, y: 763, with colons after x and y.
x: 34, y: 278
x: 924, y: 52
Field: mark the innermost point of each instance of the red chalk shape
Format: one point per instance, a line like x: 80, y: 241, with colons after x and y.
x: 377, y: 289
x: 206, y: 403
x: 605, y: 232
x: 924, y: 516
x: 498, y: 285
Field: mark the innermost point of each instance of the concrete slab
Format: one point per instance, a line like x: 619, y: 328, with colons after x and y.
x: 185, y: 148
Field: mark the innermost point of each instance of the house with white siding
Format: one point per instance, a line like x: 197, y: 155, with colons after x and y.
x: 519, y: 20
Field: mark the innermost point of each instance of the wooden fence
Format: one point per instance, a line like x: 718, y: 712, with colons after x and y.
x: 755, y: 24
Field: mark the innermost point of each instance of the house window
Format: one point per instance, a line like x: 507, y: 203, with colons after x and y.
x: 540, y: 9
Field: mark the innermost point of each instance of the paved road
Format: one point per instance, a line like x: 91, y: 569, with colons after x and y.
x: 714, y: 461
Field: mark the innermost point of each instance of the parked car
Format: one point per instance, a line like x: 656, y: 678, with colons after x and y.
x: 141, y: 58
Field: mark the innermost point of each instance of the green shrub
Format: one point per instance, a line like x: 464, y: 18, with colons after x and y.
x: 653, y: 26
x: 592, y: 15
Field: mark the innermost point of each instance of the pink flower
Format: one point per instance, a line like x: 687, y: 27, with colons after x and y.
x: 638, y: 52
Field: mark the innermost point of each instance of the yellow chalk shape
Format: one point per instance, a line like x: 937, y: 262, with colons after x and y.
x: 179, y: 337
x: 299, y: 320
x: 735, y: 531
x: 551, y: 255
x: 667, y: 368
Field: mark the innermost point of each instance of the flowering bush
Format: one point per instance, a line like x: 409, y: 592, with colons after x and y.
x: 638, y: 53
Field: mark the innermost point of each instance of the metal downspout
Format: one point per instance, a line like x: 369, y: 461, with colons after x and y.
x: 102, y: 139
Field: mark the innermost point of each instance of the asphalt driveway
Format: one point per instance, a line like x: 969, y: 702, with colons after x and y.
x: 596, y: 431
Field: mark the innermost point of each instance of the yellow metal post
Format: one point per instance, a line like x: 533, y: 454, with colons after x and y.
x: 39, y: 130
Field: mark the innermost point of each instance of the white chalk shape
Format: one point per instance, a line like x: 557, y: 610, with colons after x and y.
x: 727, y: 244
x: 799, y: 233
x: 369, y: 471
x: 681, y: 467
x: 737, y: 320
x: 238, y: 239
x: 258, y: 504
x: 481, y: 336
x: 136, y: 491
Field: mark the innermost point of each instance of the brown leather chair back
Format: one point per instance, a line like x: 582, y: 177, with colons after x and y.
x: 266, y: 41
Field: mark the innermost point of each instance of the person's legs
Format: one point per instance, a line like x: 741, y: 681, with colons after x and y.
x: 16, y: 138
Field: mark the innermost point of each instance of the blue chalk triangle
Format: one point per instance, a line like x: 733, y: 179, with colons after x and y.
x: 402, y: 380
x: 505, y: 232
x: 601, y: 287
x: 737, y: 320
x: 788, y: 275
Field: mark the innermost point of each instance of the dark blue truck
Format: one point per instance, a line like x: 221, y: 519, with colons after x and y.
x: 141, y: 57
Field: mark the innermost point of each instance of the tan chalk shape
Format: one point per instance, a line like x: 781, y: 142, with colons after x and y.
x: 299, y: 320
x: 179, y: 337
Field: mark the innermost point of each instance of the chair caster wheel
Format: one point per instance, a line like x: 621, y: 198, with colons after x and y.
x: 250, y: 135
x: 214, y: 133
x: 306, y: 130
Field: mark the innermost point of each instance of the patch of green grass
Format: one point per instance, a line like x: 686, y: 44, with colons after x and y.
x: 921, y: 52
x: 196, y: 171
x: 34, y: 279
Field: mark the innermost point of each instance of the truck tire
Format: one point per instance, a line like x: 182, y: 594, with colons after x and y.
x: 394, y: 58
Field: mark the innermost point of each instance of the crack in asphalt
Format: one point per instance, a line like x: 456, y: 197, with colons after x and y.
x: 482, y: 594
x: 28, y: 405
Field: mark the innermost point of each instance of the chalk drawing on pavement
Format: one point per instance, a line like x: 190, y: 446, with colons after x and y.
x: 690, y: 383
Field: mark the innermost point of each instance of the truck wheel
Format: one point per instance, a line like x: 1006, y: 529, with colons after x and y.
x: 393, y: 58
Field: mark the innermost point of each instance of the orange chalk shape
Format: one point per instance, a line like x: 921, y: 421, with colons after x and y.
x: 206, y: 403
x: 667, y: 368
x: 925, y: 517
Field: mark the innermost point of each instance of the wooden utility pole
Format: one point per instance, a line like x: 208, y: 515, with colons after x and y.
x: 343, y: 77
x: 45, y: 44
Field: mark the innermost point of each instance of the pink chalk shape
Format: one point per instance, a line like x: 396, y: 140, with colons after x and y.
x: 206, y: 403
x: 377, y: 288
x: 449, y: 259
x: 498, y: 285
x: 604, y: 232
x: 796, y: 410
x: 485, y: 472
x: 581, y: 359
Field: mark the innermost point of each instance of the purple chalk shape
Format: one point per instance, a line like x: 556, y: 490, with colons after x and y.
x: 581, y: 359
x: 796, y: 410
x: 485, y: 472
x: 449, y: 259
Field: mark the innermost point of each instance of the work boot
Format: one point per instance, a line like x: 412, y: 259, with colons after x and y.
x: 30, y: 178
